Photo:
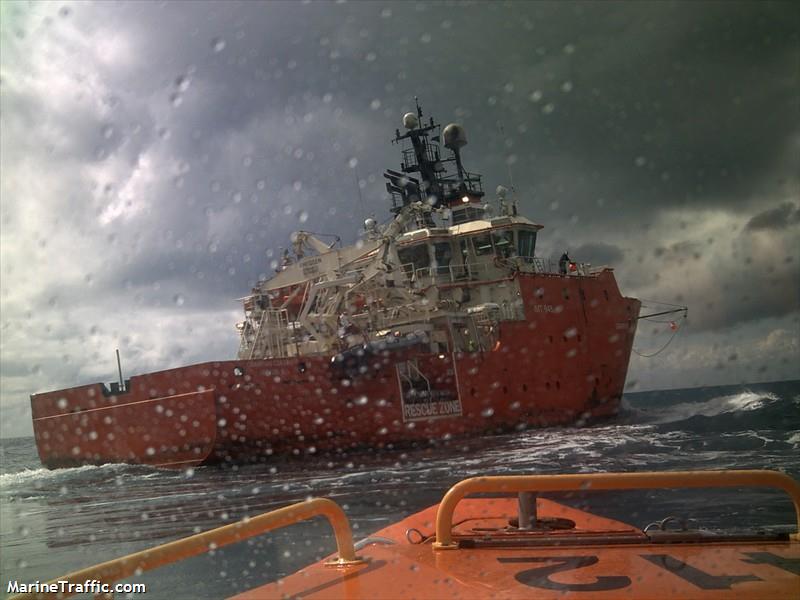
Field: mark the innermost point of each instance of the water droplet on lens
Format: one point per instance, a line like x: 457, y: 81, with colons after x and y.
x: 218, y: 44
x: 487, y: 412
x: 302, y: 216
x: 178, y: 299
x: 182, y: 83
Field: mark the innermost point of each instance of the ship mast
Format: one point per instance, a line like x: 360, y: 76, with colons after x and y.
x: 437, y: 187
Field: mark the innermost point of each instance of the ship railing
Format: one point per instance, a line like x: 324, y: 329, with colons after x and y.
x: 546, y: 266
x: 585, y: 482
x: 489, y: 269
x: 152, y: 558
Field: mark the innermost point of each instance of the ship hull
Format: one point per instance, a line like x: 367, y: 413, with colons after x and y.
x: 565, y: 363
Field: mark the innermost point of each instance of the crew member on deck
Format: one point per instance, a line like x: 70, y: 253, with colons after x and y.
x: 563, y: 263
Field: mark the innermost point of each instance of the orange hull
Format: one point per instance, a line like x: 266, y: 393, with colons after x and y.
x: 599, y: 558
x: 565, y: 363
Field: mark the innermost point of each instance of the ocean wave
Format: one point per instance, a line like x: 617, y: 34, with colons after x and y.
x: 42, y: 474
x: 745, y: 401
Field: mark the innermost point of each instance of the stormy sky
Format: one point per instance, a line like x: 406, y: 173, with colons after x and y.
x: 155, y: 158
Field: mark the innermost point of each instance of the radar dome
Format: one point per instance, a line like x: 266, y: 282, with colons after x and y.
x: 410, y: 120
x: 455, y: 136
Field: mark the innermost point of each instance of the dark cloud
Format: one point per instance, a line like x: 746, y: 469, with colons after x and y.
x: 779, y: 217
x: 599, y: 253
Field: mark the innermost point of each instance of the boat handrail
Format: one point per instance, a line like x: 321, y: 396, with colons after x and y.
x: 171, y: 552
x: 606, y: 481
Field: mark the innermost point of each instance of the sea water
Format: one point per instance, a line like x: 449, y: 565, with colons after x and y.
x: 53, y: 522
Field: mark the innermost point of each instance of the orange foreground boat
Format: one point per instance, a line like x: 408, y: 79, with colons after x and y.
x: 517, y: 547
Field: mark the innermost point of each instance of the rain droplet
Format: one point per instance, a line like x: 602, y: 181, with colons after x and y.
x: 487, y: 412
x: 182, y: 83
x: 640, y: 161
x: 352, y: 163
x: 375, y: 104
x: 218, y: 44
x: 548, y: 108
x: 566, y: 87
x: 302, y: 216
x: 178, y: 299
x: 535, y: 96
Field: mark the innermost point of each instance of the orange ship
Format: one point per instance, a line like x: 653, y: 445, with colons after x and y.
x: 443, y: 322
x: 510, y: 547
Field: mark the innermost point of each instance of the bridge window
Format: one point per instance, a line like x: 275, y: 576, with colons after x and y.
x: 482, y: 244
x: 527, y: 243
x: 503, y: 243
x: 442, y: 255
x: 416, y: 255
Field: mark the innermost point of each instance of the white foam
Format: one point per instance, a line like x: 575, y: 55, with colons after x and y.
x: 42, y: 474
x: 745, y: 401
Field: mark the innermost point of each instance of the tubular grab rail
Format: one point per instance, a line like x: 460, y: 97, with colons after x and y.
x: 171, y: 552
x: 606, y: 481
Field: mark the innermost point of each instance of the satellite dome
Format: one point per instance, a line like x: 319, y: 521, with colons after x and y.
x: 410, y: 120
x: 455, y: 136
